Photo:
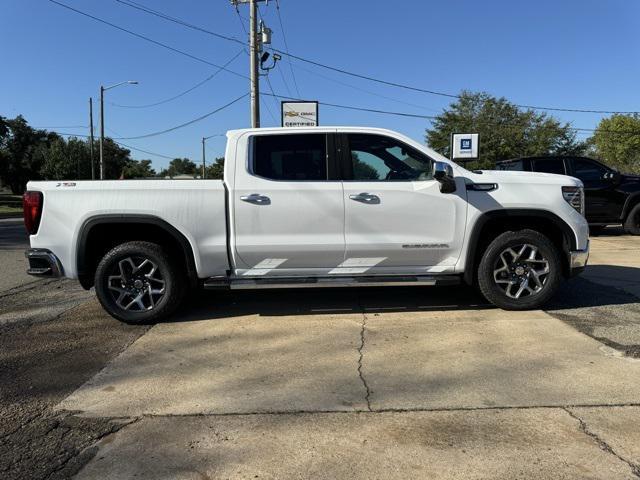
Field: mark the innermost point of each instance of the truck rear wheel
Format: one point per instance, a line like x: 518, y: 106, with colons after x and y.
x: 632, y: 223
x: 520, y: 270
x: 138, y: 282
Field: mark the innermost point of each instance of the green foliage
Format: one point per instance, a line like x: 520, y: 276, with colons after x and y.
x: 65, y: 160
x: 505, y: 130
x: 30, y: 154
x: 138, y: 169
x: 215, y: 171
x: 363, y: 171
x: 179, y: 166
x: 617, y: 142
x: 19, y: 146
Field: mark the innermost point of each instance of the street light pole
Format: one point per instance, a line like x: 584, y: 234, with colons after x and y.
x: 102, y: 90
x: 93, y: 166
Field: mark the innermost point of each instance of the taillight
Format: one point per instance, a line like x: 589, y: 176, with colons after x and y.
x: 32, y: 207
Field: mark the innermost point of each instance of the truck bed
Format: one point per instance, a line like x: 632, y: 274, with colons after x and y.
x: 196, y: 208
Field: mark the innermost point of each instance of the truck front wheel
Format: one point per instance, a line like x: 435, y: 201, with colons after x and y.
x: 138, y: 282
x: 520, y: 270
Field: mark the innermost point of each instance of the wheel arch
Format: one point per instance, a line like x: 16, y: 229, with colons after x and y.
x: 98, y: 234
x: 631, y: 201
x: 494, y: 222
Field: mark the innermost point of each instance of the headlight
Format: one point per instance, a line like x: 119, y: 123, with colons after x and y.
x: 574, y: 197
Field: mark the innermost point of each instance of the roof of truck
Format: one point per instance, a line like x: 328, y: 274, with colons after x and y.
x: 324, y: 128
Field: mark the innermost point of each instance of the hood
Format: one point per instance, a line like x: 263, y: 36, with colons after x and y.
x: 630, y: 178
x: 517, y: 176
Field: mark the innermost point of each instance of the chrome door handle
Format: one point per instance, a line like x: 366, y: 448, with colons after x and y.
x: 256, y: 199
x: 367, y: 198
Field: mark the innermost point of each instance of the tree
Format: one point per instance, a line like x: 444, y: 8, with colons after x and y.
x: 19, y: 145
x: 65, y: 160
x: 505, y: 130
x: 617, y: 142
x: 138, y: 169
x: 363, y: 171
x: 215, y: 171
x: 179, y: 166
x: 116, y: 159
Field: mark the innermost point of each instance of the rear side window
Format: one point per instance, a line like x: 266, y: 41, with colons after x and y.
x: 291, y: 157
x: 511, y: 165
x: 549, y: 165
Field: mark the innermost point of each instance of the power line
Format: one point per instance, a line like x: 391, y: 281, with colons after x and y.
x: 157, y: 13
x: 145, y: 151
x: 190, y: 122
x: 246, y: 32
x: 182, y: 93
x: 361, y: 109
x: 431, y: 117
x: 274, y: 95
x: 118, y: 143
x: 360, y: 89
x: 155, y: 42
x: 286, y: 46
x: 434, y: 92
x: 65, y: 126
x: 384, y: 82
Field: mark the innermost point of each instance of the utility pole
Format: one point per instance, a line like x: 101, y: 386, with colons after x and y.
x: 203, y: 158
x: 101, y: 132
x: 93, y: 167
x: 255, y: 47
x: 255, y: 76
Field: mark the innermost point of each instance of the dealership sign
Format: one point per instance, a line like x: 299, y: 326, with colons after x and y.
x: 464, y: 146
x: 299, y: 114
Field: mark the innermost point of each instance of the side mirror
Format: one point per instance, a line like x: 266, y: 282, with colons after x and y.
x: 611, y: 176
x: 443, y: 173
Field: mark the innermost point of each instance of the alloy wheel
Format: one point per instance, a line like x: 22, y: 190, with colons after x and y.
x: 521, y: 271
x: 136, y: 284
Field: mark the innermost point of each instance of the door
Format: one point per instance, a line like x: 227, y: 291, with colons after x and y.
x: 395, y: 214
x: 603, y: 203
x: 288, y: 206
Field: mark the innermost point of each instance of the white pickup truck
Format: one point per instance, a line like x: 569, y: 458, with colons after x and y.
x: 311, y: 207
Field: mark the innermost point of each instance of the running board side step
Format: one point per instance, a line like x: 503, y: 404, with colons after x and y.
x: 240, y: 283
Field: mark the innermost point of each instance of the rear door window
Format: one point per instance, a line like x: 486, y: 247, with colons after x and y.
x: 294, y: 157
x: 517, y: 165
x: 549, y: 165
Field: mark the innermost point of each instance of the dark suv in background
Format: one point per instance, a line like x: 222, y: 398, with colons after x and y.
x: 611, y: 197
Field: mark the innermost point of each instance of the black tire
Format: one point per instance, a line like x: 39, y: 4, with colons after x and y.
x: 118, y: 283
x: 497, y: 276
x: 632, y: 223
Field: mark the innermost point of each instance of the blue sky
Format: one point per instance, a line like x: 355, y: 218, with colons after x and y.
x: 570, y: 53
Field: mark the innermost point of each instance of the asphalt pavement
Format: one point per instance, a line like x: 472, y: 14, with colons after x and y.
x: 357, y: 383
x: 13, y: 264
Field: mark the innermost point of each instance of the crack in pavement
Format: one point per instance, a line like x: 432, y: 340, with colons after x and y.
x: 361, y: 355
x: 360, y: 349
x: 635, y: 469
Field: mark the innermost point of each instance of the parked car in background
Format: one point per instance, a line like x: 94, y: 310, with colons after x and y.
x: 611, y: 197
